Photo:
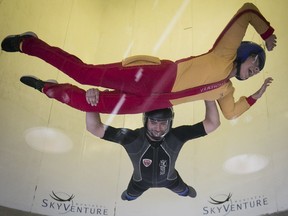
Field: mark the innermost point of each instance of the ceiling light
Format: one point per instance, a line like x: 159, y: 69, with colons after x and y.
x: 245, y: 163
x: 49, y: 140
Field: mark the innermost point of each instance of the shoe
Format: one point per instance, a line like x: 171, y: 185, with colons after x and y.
x: 51, y: 81
x: 192, y: 192
x: 123, y: 195
x: 126, y: 196
x: 33, y: 82
x: 12, y: 42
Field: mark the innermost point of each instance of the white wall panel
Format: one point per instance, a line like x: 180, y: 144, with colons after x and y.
x: 92, y: 172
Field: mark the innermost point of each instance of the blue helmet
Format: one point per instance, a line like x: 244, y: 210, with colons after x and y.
x: 245, y: 50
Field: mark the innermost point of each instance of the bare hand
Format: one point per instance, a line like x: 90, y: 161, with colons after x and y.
x: 263, y: 88
x: 92, y: 96
x: 270, y: 42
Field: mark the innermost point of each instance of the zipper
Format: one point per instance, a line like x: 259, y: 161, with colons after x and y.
x: 155, y: 167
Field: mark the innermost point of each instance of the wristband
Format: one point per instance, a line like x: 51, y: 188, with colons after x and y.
x: 250, y: 100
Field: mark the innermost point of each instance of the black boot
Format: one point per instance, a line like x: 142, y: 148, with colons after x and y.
x: 12, y: 42
x: 126, y: 196
x: 192, y: 192
x: 33, y: 82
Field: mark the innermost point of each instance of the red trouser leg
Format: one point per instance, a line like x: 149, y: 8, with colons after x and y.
x: 109, y: 102
x: 135, y: 80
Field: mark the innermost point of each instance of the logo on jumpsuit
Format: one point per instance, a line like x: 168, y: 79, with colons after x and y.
x: 147, y: 162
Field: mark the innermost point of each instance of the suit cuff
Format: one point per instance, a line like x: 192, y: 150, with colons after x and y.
x: 268, y: 33
x: 251, y: 100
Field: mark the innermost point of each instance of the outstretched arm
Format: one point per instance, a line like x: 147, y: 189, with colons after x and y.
x: 263, y: 88
x: 93, y: 121
x: 212, y: 119
x: 230, y: 38
x: 94, y: 124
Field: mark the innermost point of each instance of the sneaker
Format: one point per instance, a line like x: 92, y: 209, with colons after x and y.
x: 126, y: 196
x: 192, y: 192
x: 12, y: 42
x: 33, y: 82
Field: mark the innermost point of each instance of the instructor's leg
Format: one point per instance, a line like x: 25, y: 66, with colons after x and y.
x: 181, y: 188
x: 134, y: 190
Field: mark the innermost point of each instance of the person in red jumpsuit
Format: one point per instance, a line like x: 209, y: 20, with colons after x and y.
x: 144, y: 83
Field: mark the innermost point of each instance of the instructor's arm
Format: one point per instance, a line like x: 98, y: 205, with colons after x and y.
x: 93, y: 121
x: 212, y: 119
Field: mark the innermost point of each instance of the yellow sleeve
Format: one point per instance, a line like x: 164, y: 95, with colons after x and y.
x: 229, y: 40
x: 229, y: 107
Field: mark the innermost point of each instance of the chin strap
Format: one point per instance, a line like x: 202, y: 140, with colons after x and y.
x: 151, y: 137
x: 238, y: 71
x: 156, y: 139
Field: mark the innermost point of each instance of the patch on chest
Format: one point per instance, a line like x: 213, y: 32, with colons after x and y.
x: 163, y: 165
x: 146, y: 162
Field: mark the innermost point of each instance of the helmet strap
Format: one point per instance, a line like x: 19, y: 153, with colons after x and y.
x: 238, y: 71
x: 152, y: 138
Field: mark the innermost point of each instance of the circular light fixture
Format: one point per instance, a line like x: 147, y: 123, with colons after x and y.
x: 245, y: 163
x: 48, y: 140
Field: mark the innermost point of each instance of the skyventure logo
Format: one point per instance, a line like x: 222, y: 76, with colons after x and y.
x: 64, y: 203
x: 223, y: 204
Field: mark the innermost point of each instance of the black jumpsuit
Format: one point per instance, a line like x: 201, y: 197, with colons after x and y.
x: 154, y: 162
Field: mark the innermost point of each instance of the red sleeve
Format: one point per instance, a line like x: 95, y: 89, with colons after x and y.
x: 251, y: 100
x: 268, y: 33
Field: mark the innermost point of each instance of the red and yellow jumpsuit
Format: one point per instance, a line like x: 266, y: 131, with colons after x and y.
x: 139, y: 86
